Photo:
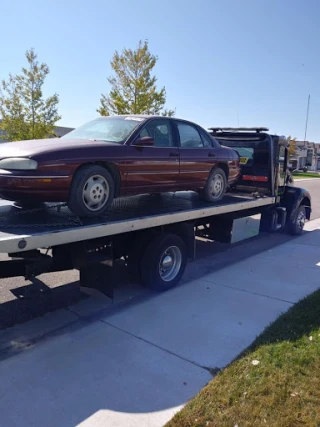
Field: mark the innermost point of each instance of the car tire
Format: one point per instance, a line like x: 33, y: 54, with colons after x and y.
x: 297, y: 222
x: 91, y: 183
x: 163, y: 262
x: 216, y: 186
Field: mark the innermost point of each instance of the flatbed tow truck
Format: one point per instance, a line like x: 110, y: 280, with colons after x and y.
x: 156, y: 234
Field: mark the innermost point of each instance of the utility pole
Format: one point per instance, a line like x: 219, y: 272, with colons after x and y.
x: 307, y: 118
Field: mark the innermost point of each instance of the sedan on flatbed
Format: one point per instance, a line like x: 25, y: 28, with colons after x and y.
x: 117, y: 156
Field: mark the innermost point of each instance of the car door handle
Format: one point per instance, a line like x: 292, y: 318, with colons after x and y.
x: 211, y: 155
x: 173, y: 154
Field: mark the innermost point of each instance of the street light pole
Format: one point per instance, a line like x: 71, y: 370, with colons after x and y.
x: 307, y: 118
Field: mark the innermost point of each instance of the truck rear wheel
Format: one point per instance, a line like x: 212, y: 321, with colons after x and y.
x: 298, y: 221
x: 163, y: 262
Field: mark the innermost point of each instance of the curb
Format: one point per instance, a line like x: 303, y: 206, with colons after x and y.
x: 305, y: 179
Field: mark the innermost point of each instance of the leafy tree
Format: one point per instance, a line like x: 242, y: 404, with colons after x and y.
x: 133, y: 88
x: 293, y: 147
x: 25, y: 113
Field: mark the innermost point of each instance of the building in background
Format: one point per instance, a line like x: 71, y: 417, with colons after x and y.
x: 318, y: 156
x: 307, y: 155
x: 59, y: 131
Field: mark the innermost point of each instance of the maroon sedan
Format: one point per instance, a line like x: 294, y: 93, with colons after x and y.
x: 117, y: 156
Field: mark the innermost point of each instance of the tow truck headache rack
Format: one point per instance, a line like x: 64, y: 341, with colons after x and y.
x: 239, y: 129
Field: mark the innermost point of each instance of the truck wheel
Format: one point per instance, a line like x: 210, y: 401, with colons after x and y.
x: 298, y: 221
x: 91, y: 192
x: 215, y: 187
x: 135, y: 255
x: 163, y: 262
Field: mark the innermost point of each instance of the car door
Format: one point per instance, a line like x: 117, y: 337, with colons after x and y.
x: 197, y: 155
x: 154, y: 168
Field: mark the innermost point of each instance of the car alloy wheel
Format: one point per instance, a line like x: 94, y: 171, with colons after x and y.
x: 95, y: 193
x: 217, y: 185
x: 92, y: 191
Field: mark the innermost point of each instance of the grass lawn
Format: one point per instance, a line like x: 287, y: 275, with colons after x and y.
x: 275, y: 382
x: 306, y: 175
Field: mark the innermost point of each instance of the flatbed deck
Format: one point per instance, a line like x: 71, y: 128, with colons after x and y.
x: 27, y: 229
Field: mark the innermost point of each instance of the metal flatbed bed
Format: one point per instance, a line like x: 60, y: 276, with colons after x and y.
x: 25, y: 230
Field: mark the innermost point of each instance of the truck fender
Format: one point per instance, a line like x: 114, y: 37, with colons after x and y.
x: 293, y: 198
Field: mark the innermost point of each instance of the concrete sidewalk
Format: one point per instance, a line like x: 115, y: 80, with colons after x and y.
x: 304, y: 179
x: 139, y: 365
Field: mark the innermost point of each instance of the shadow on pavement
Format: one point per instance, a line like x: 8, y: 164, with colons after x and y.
x: 36, y: 299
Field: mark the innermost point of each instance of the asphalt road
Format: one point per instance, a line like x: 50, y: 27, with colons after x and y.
x: 313, y: 186
x: 22, y: 300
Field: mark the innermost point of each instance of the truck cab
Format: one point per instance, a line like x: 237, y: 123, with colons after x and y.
x: 264, y: 171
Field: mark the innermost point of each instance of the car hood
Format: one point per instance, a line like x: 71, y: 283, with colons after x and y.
x: 32, y: 148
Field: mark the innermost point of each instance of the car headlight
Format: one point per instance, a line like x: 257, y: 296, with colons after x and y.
x: 17, y: 163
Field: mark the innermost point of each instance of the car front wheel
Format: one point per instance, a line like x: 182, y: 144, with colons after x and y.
x: 91, y: 192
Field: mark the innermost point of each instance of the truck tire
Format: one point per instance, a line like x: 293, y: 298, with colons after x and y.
x: 92, y: 191
x: 216, y: 186
x: 297, y: 222
x: 135, y: 255
x: 163, y: 262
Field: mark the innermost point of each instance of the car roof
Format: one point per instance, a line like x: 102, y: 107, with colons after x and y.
x: 149, y: 116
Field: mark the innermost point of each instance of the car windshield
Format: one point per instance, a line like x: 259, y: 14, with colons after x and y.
x: 109, y: 129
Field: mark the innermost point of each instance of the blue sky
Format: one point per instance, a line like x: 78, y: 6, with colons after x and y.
x: 256, y: 60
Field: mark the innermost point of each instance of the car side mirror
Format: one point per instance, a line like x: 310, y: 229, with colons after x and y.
x: 145, y: 141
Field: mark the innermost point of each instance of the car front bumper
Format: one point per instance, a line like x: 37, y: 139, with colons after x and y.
x: 34, y: 185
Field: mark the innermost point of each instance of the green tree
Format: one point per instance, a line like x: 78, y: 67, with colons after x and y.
x: 292, y: 147
x: 133, y: 87
x: 24, y: 111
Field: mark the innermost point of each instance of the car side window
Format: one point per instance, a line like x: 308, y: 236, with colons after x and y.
x: 144, y: 133
x: 160, y: 131
x: 207, y: 142
x: 189, y: 136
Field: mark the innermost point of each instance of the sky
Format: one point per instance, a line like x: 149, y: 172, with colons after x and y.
x: 223, y: 63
